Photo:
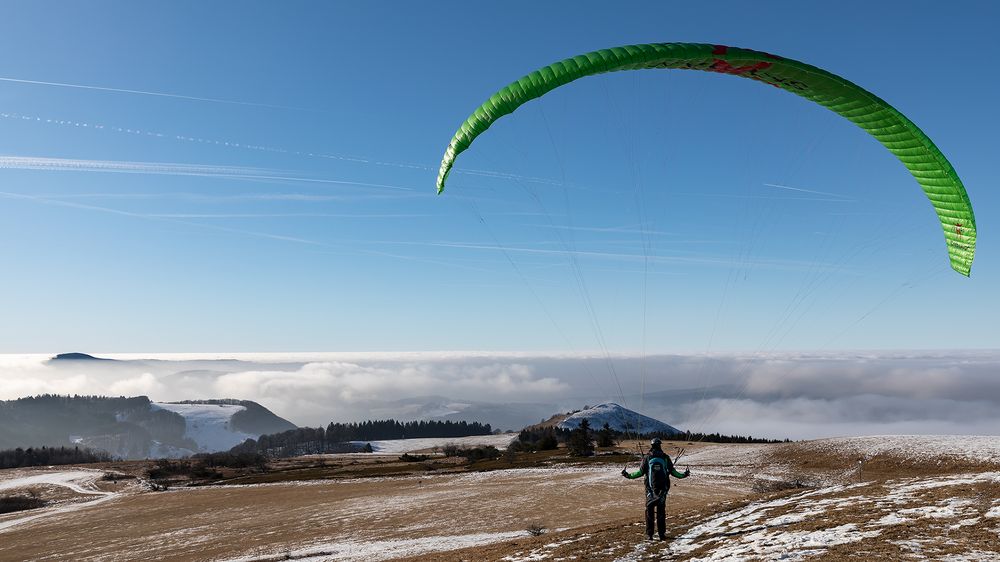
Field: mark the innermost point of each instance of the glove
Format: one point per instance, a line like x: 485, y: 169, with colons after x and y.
x: 624, y: 473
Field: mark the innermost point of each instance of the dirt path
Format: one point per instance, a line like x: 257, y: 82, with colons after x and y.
x: 81, y: 485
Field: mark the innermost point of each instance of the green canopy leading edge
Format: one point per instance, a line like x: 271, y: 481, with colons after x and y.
x: 914, y: 149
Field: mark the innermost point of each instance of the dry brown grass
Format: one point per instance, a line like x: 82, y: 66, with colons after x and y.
x: 317, y: 500
x: 202, y: 523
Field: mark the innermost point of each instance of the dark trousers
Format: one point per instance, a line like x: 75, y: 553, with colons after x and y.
x: 659, y: 506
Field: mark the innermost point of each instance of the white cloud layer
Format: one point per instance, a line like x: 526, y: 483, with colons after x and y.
x: 784, y: 395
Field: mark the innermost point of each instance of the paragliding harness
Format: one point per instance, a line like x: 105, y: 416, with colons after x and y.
x: 657, y: 479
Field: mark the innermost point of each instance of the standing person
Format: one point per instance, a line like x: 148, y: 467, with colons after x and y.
x: 657, y: 468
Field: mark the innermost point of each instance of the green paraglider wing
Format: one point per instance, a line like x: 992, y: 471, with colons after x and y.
x: 897, y: 133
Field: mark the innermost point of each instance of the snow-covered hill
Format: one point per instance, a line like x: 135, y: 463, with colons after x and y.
x: 619, y: 419
x: 219, y: 425
x: 209, y: 425
x: 134, y: 428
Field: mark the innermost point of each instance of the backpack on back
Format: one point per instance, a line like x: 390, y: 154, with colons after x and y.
x: 659, y: 479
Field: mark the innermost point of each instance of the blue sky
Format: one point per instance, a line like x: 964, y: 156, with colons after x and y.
x: 280, y: 197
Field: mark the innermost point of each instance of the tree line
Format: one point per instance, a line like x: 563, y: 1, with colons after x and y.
x: 720, y: 438
x: 126, y: 427
x: 44, y: 456
x: 376, y: 430
x: 581, y: 441
x: 337, y: 437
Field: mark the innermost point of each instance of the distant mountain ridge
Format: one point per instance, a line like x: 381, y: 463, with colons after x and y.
x: 136, y: 427
x: 77, y: 356
x: 503, y: 415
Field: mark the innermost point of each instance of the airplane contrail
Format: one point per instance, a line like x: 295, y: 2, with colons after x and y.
x: 70, y: 204
x: 608, y: 229
x: 148, y: 93
x: 350, y: 249
x: 287, y: 215
x: 772, y: 263
x: 300, y: 197
x: 74, y: 164
x: 739, y: 196
x: 170, y: 169
x: 789, y: 188
x: 267, y: 148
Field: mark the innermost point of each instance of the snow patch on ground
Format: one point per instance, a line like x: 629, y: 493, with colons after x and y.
x: 974, y: 556
x: 209, y: 425
x: 993, y: 512
x: 374, y: 550
x: 787, y: 545
x: 891, y: 519
x: 543, y: 552
x: 766, y: 530
x: 636, y: 554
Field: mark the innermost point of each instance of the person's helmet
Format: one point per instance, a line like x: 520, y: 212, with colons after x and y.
x: 655, y: 442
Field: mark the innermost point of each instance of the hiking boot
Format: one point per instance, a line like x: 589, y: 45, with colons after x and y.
x: 662, y: 537
x: 649, y: 537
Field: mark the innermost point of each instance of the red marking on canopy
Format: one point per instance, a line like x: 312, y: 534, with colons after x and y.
x: 720, y: 50
x: 958, y: 229
x: 724, y: 67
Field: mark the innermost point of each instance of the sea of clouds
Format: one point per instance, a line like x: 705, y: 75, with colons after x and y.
x: 794, y: 395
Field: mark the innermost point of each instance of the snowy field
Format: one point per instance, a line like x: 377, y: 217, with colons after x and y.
x: 80, y: 481
x: 400, y: 446
x: 364, y: 551
x: 367, y: 518
x: 946, y: 518
x: 588, y: 509
x: 978, y: 448
x: 784, y: 529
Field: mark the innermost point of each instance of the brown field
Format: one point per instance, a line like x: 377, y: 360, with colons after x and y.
x: 371, y: 508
